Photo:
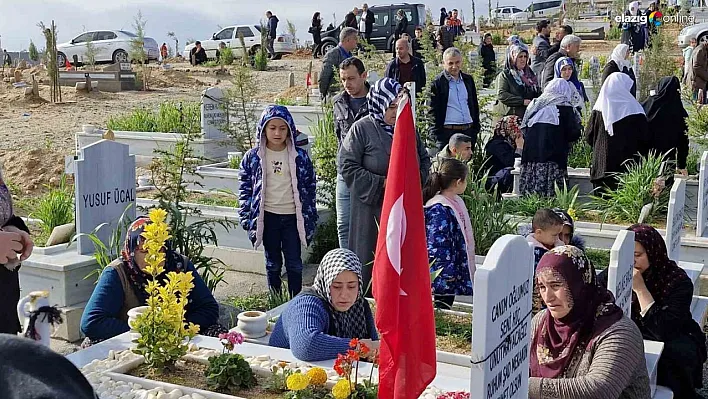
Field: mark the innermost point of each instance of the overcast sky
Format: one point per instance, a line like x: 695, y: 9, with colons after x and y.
x: 195, y: 19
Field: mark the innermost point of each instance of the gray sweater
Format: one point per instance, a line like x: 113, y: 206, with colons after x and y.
x: 612, y: 368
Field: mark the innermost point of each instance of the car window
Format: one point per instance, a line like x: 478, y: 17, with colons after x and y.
x: 83, y: 38
x: 515, y: 10
x: 225, y: 34
x: 506, y: 11
x: 381, y: 18
x: 245, y: 31
x: 258, y: 28
x: 409, y: 15
x: 129, y: 34
x: 105, y: 35
x: 421, y: 15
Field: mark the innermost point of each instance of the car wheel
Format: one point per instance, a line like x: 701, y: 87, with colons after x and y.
x: 61, y: 59
x: 703, y: 38
x: 326, y: 46
x: 254, y: 49
x: 120, y: 56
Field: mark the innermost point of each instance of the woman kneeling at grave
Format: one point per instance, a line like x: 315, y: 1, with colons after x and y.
x: 121, y: 287
x: 661, y: 307
x: 582, y: 346
x: 320, y: 322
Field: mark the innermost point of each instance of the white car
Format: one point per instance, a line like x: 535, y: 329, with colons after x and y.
x: 505, y: 13
x: 697, y: 31
x: 111, y: 46
x: 284, y: 43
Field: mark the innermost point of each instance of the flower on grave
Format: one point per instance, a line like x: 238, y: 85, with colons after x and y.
x: 297, y: 382
x: 454, y: 395
x: 231, y: 339
x: 317, y: 376
x: 342, y: 389
x: 572, y: 213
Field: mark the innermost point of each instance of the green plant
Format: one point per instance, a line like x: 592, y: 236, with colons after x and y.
x: 241, y: 108
x: 261, y: 59
x: 448, y: 326
x: 567, y: 198
x: 104, y: 254
x: 251, y: 301
x: 230, y: 371
x: 585, y: 70
x: 657, y: 62
x: 693, y: 161
x: 284, y: 101
x: 56, y: 207
x: 324, y: 154
x: 90, y: 53
x: 529, y: 204
x: 211, y: 64
x: 226, y: 56
x: 325, y: 239
x: 614, y: 33
x: 600, y: 258
x: 33, y: 53
x: 170, y: 117
x: 580, y: 155
x: 641, y: 184
x: 137, y: 49
x: 697, y: 119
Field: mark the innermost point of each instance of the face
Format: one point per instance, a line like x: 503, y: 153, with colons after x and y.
x: 488, y: 40
x: 566, y: 234
x: 199, y: 46
x: 626, y: 55
x: 390, y: 114
x: 454, y: 14
x: 364, y: 8
x: 641, y: 260
x: 555, y: 294
x: 452, y: 65
x: 418, y: 33
x: 356, y: 11
x: 573, y: 50
x: 139, y: 258
x: 560, y: 34
x: 448, y: 22
x: 344, y: 290
x: 549, y: 236
x: 521, y: 60
x: 402, y: 49
x: 222, y: 46
x: 350, y: 43
x: 276, y: 132
x: 566, y: 72
x: 463, y: 151
x: 546, y: 31
x: 354, y: 84
x: 693, y: 42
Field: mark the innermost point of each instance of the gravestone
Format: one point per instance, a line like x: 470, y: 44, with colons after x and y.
x: 674, y: 219
x: 501, y: 327
x: 104, y: 177
x: 213, y: 115
x: 702, y: 219
x: 620, y: 272
x: 291, y: 79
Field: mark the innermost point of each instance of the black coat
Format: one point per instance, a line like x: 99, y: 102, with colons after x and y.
x: 544, y: 142
x: 350, y: 21
x: 401, y: 27
x: 316, y: 30
x: 10, y: 289
x: 393, y: 71
x: 443, y: 17
x: 345, y: 115
x: 273, y: 27
x: 197, y: 57
x: 501, y: 154
x: 667, y: 121
x: 489, y: 57
x: 611, y: 67
x: 439, y: 92
x: 369, y: 23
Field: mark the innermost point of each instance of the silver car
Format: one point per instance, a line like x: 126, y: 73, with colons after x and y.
x: 110, y: 45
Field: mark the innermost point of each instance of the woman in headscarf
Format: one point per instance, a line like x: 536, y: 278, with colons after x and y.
x: 667, y: 121
x: 505, y: 145
x: 564, y: 68
x: 401, y: 25
x: 316, y: 31
x: 617, y: 131
x: 568, y: 235
x: 633, y: 33
x: 15, y: 246
x: 319, y: 323
x: 550, y: 125
x: 517, y: 85
x: 489, y: 59
x: 661, y: 307
x: 363, y: 163
x: 582, y: 346
x: 122, y: 284
x: 619, y: 62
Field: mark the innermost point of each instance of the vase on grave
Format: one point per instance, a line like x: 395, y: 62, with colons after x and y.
x: 37, y: 316
x: 252, y: 324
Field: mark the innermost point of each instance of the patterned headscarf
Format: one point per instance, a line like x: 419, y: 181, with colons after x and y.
x: 6, y: 210
x: 525, y: 76
x: 567, y: 220
x: 564, y: 61
x: 350, y: 324
x: 508, y: 128
x: 133, y: 240
x: 543, y: 109
x: 593, y: 310
x: 663, y: 275
x: 380, y: 97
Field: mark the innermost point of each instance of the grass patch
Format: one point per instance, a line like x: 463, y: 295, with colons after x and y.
x: 261, y: 301
x: 600, y: 258
x: 170, y: 117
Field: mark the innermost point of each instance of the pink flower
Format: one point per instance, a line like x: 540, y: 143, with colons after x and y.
x: 231, y: 339
x: 454, y: 395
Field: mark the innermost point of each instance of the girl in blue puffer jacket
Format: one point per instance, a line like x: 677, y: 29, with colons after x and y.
x: 277, y: 197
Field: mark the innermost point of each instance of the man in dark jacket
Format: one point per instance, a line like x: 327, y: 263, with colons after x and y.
x: 405, y: 67
x: 348, y: 106
x: 453, y: 102
x: 366, y: 22
x: 541, y: 45
x: 348, y: 40
x: 416, y: 42
x: 447, y: 35
x: 272, y: 32
x: 564, y: 31
x: 443, y: 16
x: 350, y: 19
x: 570, y: 47
x: 197, y: 55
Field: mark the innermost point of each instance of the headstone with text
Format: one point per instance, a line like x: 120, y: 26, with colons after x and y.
x: 104, y: 176
x: 702, y: 219
x: 213, y: 115
x: 620, y: 271
x: 674, y: 219
x: 501, y: 326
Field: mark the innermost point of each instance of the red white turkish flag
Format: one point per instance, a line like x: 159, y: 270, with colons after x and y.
x: 404, y: 307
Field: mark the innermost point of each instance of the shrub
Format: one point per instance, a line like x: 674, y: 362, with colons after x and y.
x: 693, y: 161
x: 56, y: 207
x: 497, y: 39
x: 226, y: 56
x: 614, y: 33
x: 241, y: 109
x: 229, y: 371
x: 324, y: 154
x: 600, y: 258
x: 580, y: 155
x: 170, y: 117
x: 657, y: 62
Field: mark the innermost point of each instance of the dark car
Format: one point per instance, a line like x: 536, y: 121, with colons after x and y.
x: 384, y: 26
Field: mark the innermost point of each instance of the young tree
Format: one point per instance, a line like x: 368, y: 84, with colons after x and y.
x: 50, y: 35
x: 33, y: 53
x: 91, y: 53
x: 291, y: 28
x: 241, y: 108
x: 137, y: 49
x: 174, y: 37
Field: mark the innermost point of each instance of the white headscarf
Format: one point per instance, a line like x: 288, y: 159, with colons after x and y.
x: 544, y: 108
x: 618, y: 55
x: 615, y: 101
x: 633, y: 7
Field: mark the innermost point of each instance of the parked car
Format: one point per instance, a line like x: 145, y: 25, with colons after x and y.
x: 111, y: 46
x: 284, y: 43
x: 544, y: 9
x: 382, y: 34
x: 697, y: 31
x: 506, y: 13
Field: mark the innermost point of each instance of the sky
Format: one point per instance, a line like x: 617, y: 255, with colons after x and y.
x: 193, y: 19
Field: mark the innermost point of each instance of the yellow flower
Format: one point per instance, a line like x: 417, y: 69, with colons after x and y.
x: 317, y: 376
x: 297, y: 382
x: 572, y: 213
x: 342, y: 389
x: 158, y: 215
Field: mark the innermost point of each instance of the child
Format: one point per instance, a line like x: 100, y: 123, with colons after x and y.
x: 277, y: 197
x: 449, y: 232
x: 568, y: 235
x: 547, y: 227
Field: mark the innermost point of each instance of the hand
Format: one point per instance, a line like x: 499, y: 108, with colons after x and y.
x: 519, y: 141
x: 527, y: 102
x: 27, y: 243
x: 10, y: 246
x: 638, y: 284
x: 683, y: 172
x: 385, y: 183
x: 532, y: 50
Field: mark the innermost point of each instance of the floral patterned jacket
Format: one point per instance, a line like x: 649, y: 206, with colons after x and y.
x: 447, y: 251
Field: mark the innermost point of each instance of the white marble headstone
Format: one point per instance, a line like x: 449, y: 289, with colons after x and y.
x: 702, y: 220
x: 674, y: 219
x: 619, y: 276
x: 213, y: 115
x: 105, y: 187
x: 503, y: 287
